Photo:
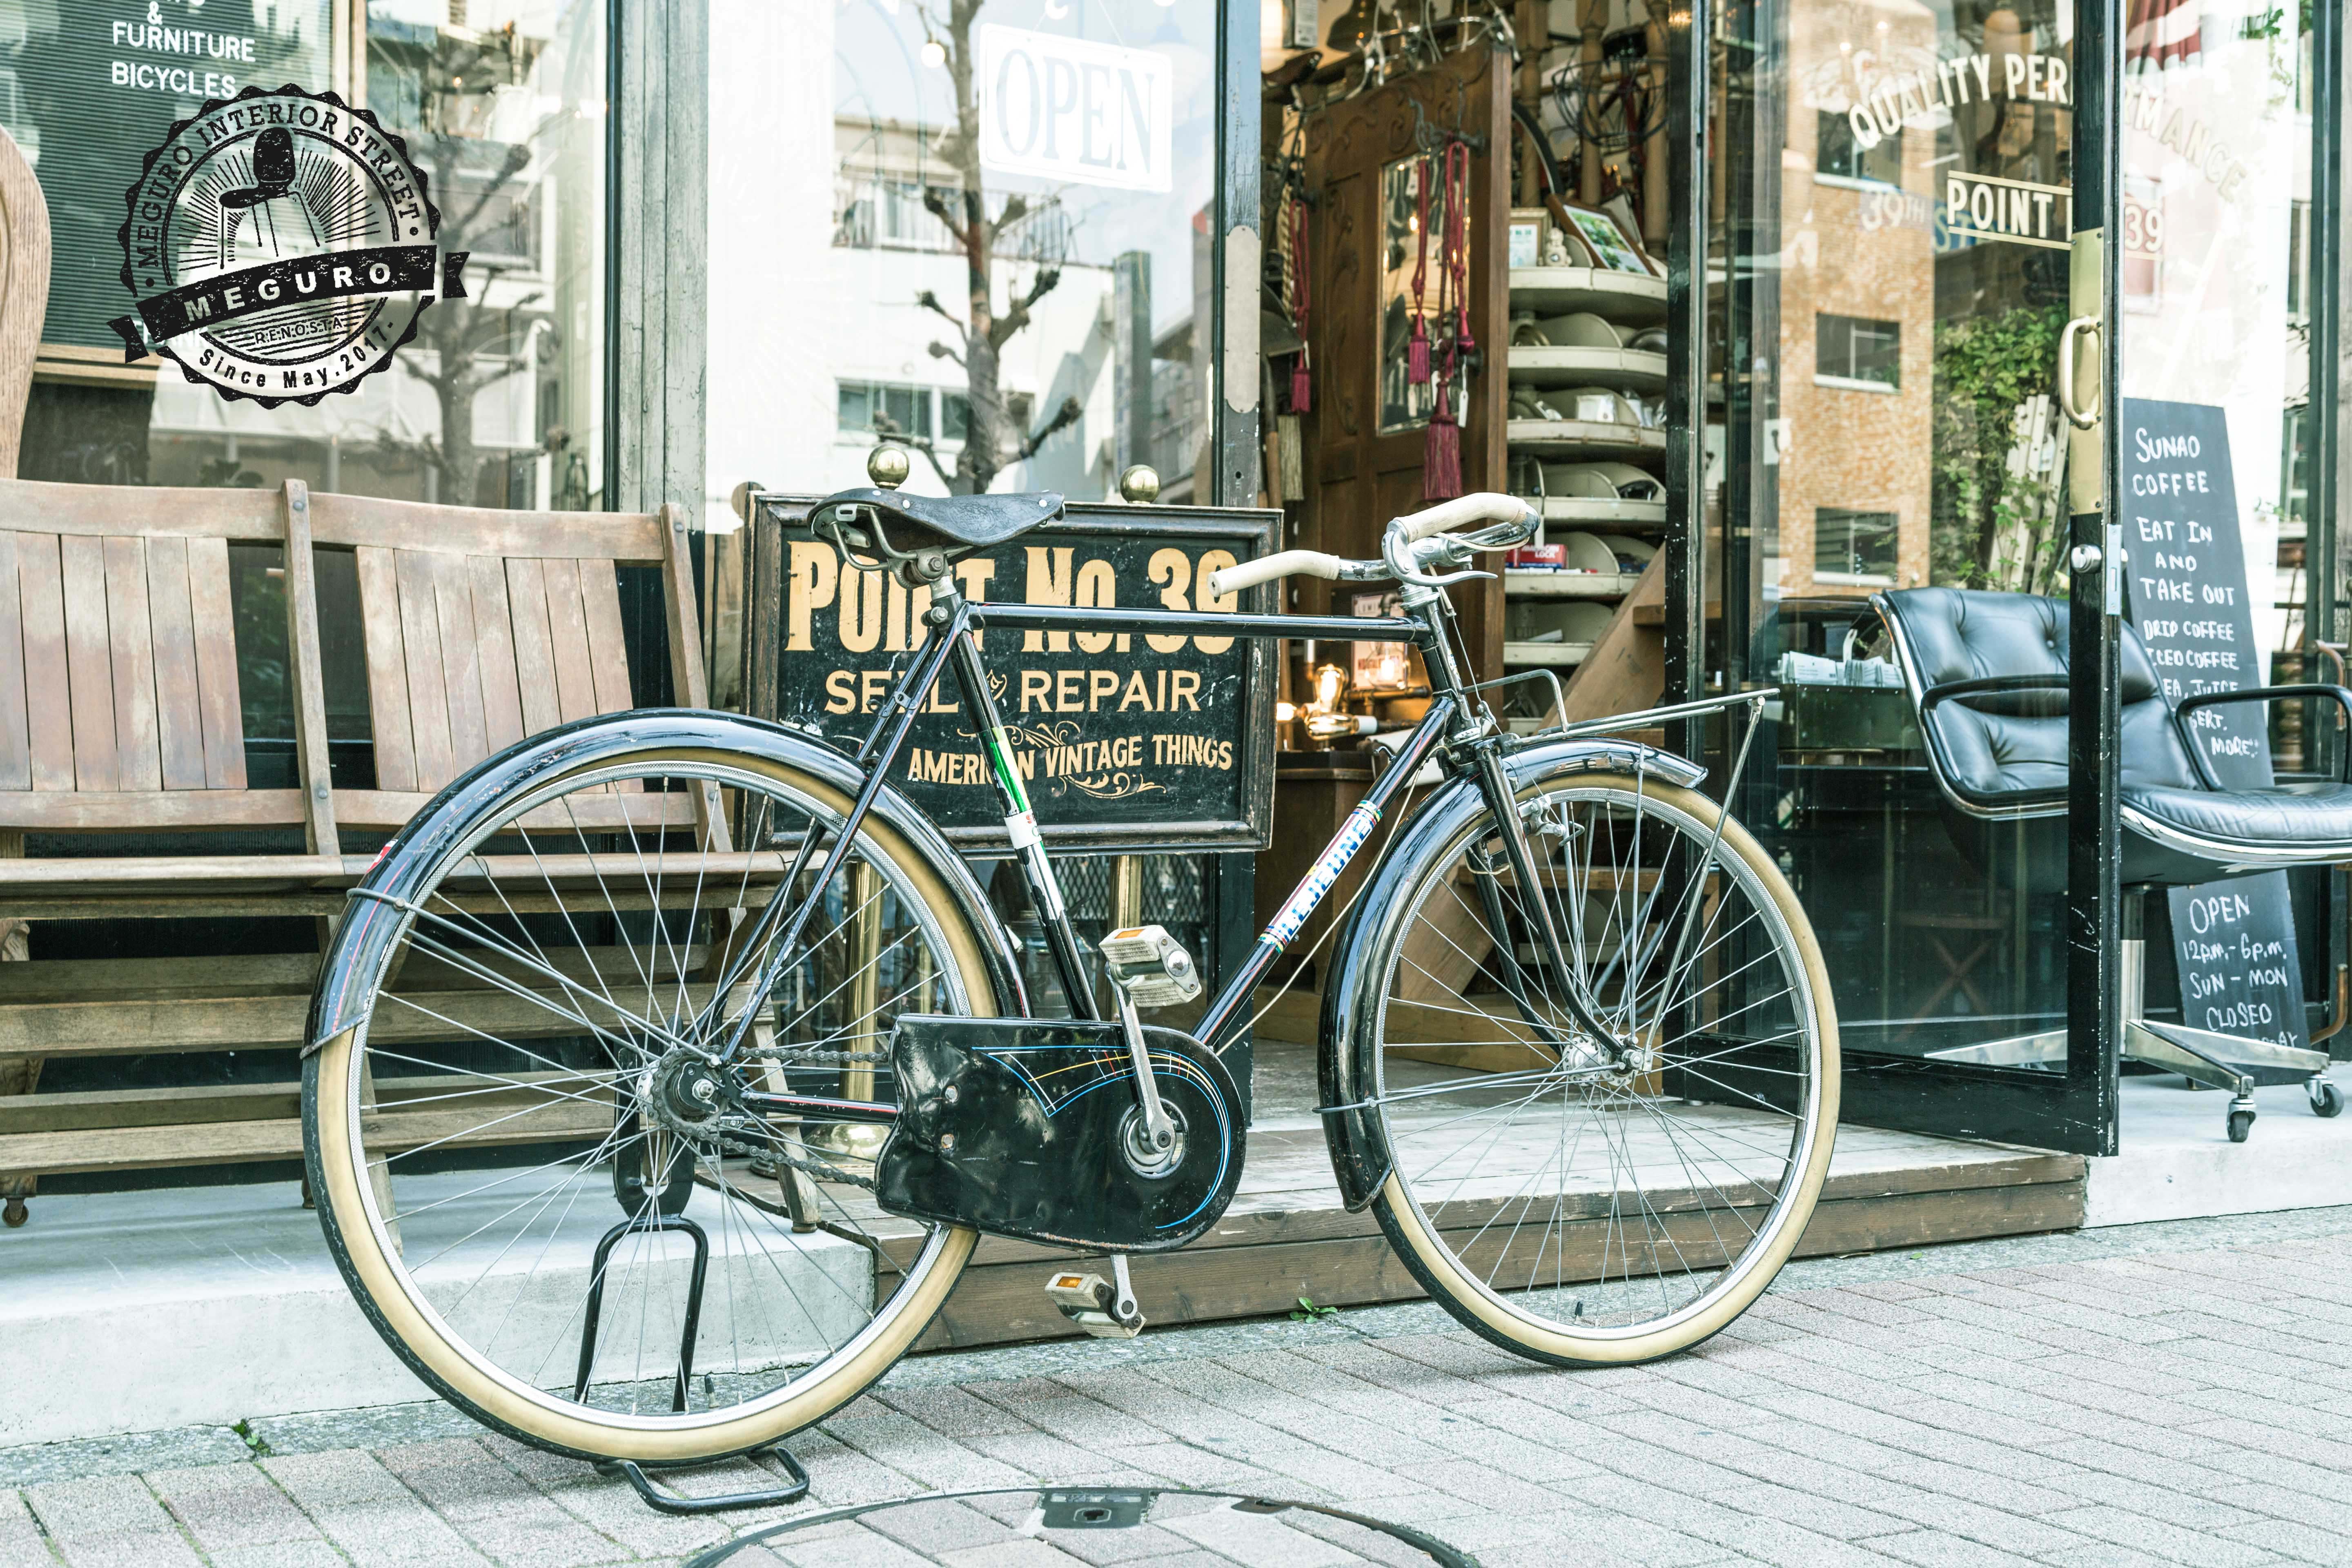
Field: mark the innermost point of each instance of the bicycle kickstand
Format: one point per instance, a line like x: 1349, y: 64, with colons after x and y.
x: 658, y: 1498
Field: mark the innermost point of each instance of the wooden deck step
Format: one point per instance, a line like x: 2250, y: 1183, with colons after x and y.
x: 1275, y: 1245
x: 146, y: 1129
x: 1288, y: 1234
x: 91, y: 1007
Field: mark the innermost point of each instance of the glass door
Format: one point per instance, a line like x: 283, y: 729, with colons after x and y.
x: 2213, y: 453
x: 1906, y: 212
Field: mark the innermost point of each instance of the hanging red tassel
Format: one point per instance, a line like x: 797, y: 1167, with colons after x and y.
x: 1441, y: 455
x: 1416, y: 352
x: 1302, y: 388
x: 1458, y: 243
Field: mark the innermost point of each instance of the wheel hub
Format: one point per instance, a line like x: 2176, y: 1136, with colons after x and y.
x: 683, y: 1088
x: 1135, y: 1143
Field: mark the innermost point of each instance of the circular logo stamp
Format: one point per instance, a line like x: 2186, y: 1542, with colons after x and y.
x: 280, y: 246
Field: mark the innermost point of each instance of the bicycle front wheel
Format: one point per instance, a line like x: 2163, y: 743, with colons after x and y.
x: 1579, y: 1199
x: 527, y: 1173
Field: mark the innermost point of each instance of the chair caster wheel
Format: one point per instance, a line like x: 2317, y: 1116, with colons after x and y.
x: 2326, y: 1100
x: 2242, y: 1123
x: 15, y: 1212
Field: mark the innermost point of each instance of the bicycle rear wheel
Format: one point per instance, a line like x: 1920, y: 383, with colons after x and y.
x: 525, y: 1170
x: 1580, y: 1200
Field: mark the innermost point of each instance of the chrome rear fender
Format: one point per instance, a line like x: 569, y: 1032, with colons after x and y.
x: 354, y: 956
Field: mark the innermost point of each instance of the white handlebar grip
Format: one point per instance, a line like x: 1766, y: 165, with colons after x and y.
x: 1462, y: 510
x: 1266, y: 569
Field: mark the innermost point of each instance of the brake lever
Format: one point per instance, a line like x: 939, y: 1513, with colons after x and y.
x: 1454, y: 549
x: 1397, y: 551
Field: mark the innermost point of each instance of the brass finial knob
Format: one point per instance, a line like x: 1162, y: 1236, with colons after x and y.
x: 887, y: 467
x: 1139, y: 484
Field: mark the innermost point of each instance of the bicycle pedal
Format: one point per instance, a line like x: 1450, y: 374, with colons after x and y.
x: 1091, y: 1302
x: 1150, y: 966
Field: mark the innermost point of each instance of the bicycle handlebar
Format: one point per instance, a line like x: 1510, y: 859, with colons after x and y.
x: 1283, y: 563
x: 1486, y: 506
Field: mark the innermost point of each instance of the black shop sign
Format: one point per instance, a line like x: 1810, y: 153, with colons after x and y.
x: 1125, y: 740
x: 2186, y: 564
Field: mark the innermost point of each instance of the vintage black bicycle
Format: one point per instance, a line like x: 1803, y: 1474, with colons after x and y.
x: 1578, y: 1053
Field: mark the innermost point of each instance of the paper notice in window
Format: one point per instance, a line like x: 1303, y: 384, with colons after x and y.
x: 1080, y: 113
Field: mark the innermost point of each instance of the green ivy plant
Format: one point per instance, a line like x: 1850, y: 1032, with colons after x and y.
x: 1986, y: 367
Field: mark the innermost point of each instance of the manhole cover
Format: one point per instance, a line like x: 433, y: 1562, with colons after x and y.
x: 1103, y: 1524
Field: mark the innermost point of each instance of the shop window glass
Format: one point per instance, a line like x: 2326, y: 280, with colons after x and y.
x: 1841, y: 154
x: 1848, y: 471
x: 2222, y: 127
x: 1851, y: 351
x: 1937, y: 225
x: 1855, y: 546
x: 1005, y: 210
x: 498, y: 401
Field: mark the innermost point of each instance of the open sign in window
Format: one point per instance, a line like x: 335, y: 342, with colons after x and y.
x: 1089, y: 115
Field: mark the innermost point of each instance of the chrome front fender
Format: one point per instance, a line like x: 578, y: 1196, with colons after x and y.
x: 1360, y: 1156
x: 339, y: 1000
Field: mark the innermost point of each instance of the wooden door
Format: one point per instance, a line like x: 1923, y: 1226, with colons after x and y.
x: 1358, y: 474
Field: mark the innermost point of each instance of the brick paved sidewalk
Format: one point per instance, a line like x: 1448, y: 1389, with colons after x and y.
x: 2180, y: 1395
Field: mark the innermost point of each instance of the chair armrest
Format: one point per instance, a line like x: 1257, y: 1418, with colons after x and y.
x: 2341, y: 696
x: 1988, y: 686
x: 1934, y: 697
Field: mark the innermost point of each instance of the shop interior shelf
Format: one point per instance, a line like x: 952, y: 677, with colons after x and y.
x: 1557, y: 655
x: 1627, y: 368
x: 1569, y: 584
x: 1585, y: 439
x: 1585, y: 511
x: 1620, y: 296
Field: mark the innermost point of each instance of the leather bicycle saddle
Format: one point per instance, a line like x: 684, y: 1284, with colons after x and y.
x: 977, y: 521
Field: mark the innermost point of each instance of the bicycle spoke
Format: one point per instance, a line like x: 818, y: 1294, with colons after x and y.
x: 1566, y: 1186
x: 595, y: 942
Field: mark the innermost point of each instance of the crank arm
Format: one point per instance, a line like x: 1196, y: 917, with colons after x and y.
x: 1155, y: 1125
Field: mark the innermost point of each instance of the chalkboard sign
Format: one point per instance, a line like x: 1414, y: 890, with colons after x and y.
x: 95, y: 85
x: 1126, y: 740
x: 2234, y: 940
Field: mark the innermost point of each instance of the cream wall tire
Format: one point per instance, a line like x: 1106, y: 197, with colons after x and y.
x: 365, y: 1241
x: 1435, y: 1215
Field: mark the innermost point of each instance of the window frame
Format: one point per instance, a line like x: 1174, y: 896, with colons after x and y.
x: 1843, y: 378
x: 1846, y: 577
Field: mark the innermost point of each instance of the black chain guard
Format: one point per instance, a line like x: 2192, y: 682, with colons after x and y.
x: 1017, y: 1127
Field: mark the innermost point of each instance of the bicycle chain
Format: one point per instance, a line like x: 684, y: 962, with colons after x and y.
x: 794, y: 1055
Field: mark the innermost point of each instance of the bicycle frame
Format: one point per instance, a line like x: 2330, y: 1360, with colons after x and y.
x: 1454, y: 724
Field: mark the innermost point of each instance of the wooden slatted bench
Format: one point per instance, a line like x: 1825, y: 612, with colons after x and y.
x: 120, y: 712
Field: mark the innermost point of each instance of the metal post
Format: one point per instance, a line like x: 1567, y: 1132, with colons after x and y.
x: 2093, y: 467
x: 1686, y: 589
x: 2322, y: 568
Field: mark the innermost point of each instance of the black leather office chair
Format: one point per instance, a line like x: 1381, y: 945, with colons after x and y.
x: 1987, y: 673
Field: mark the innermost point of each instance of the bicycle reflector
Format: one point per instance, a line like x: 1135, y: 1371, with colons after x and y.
x: 1150, y: 966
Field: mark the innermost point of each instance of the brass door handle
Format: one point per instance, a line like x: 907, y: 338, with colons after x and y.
x: 2067, y: 400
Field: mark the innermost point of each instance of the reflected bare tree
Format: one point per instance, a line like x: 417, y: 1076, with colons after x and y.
x: 469, y: 344
x: 991, y: 441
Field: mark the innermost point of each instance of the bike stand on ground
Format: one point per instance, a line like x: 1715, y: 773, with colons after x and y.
x: 633, y: 1470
